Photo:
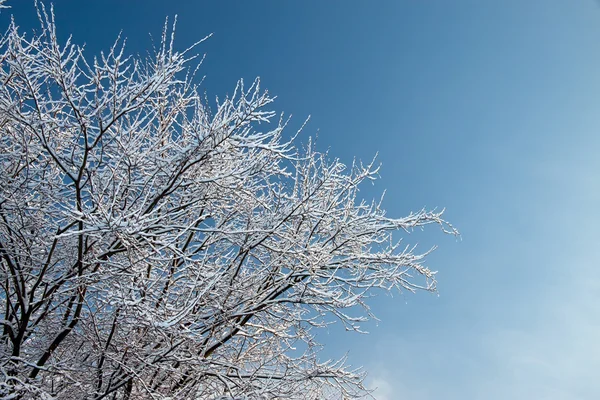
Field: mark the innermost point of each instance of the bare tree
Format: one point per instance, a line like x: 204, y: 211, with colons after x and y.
x: 151, y: 248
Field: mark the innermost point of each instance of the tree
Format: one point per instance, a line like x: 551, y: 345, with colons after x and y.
x: 151, y: 248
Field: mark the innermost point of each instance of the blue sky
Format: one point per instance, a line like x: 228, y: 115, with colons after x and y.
x: 488, y: 108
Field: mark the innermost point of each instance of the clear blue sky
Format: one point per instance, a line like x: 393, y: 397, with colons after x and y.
x: 488, y: 108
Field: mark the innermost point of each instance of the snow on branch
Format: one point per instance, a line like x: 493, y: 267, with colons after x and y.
x: 153, y: 248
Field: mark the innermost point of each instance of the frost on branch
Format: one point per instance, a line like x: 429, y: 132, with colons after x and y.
x: 151, y: 248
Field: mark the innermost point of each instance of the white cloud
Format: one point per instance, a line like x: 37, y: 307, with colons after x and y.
x: 545, y: 345
x: 383, y: 389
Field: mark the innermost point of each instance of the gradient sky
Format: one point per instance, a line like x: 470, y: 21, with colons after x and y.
x: 486, y: 107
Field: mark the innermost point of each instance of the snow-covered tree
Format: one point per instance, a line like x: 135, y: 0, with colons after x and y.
x: 151, y: 248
